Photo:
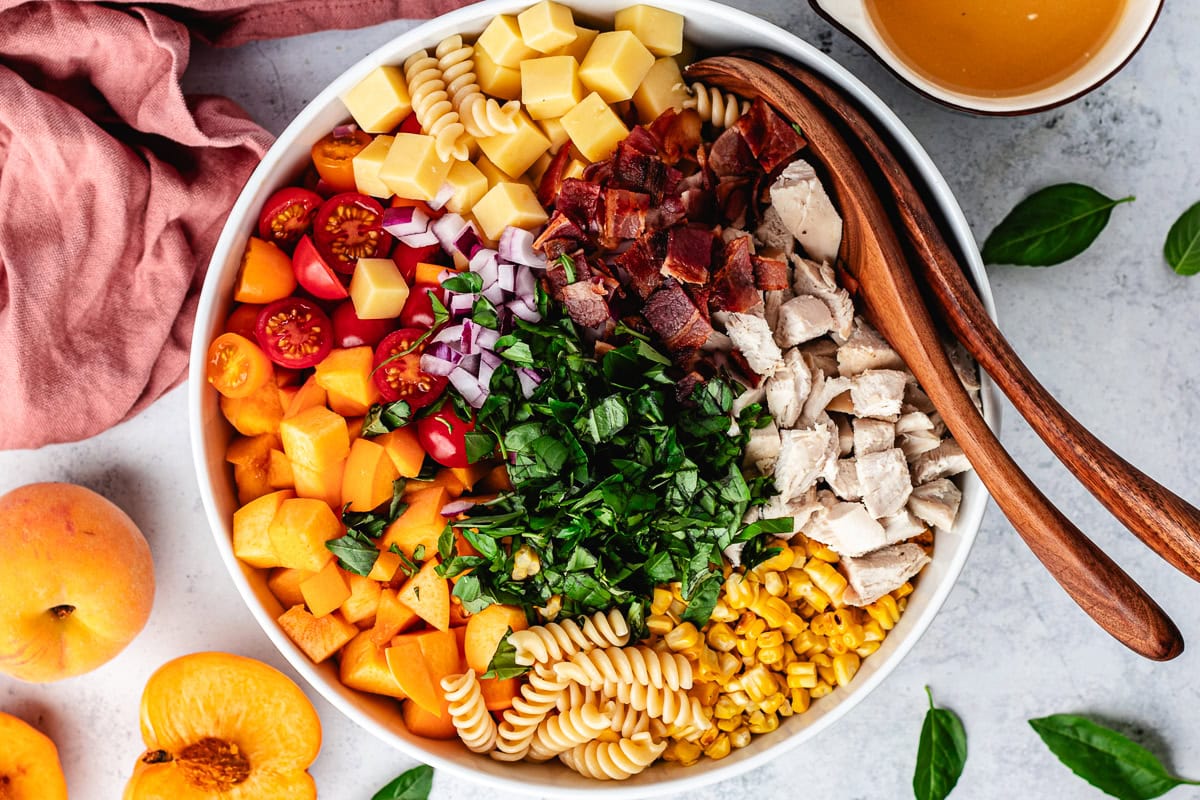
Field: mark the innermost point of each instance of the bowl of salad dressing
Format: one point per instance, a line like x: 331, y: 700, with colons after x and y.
x: 1000, y: 58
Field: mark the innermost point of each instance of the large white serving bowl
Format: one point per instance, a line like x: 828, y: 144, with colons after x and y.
x: 713, y: 27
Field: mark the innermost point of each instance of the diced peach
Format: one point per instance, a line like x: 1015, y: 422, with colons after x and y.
x: 385, y: 567
x: 428, y: 594
x: 284, y: 583
x: 315, y: 438
x: 392, y: 617
x: 407, y: 664
x: 251, y: 481
x: 251, y: 449
x: 486, y: 628
x: 472, y: 474
x: 347, y: 373
x: 422, y: 723
x: 279, y: 471
x: 363, y: 666
x: 310, y: 395
x: 326, y: 591
x: 318, y: 637
x: 367, y: 481
x: 346, y: 406
x: 497, y: 481
x: 251, y: 523
x: 299, y: 532
x: 445, y: 479
x: 404, y: 448
x: 259, y: 413
x: 498, y: 693
x: 286, y: 395
x: 324, y: 484
x: 363, y: 602
x: 430, y: 274
x: 420, y: 524
x: 354, y: 426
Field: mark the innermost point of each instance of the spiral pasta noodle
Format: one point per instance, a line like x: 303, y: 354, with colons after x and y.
x: 722, y: 110
x: 576, y: 695
x: 614, y: 761
x: 555, y: 641
x: 627, y: 721
x: 433, y: 108
x: 672, y: 706
x: 594, y: 668
x: 561, y: 732
x: 469, y: 713
x: 481, y: 115
x: 539, y: 695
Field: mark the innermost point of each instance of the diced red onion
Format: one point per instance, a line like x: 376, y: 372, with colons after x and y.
x: 516, y: 245
x: 485, y: 339
x: 481, y: 256
x: 410, y: 225
x: 456, y: 507
x: 524, y: 309
x: 451, y: 334
x: 470, y: 337
x: 488, y: 269
x: 448, y: 228
x: 470, y: 363
x: 529, y: 379
x: 469, y: 387
x: 344, y: 130
x: 440, y: 359
x: 442, y: 197
x: 461, y: 304
x: 507, y: 277
x: 468, y: 242
x: 485, y: 374
x: 494, y: 293
x: 524, y: 284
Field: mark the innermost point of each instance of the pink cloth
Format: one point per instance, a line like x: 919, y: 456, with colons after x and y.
x: 113, y: 189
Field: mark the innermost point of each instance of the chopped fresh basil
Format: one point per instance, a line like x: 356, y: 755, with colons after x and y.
x: 385, y: 417
x: 504, y: 660
x: 357, y: 550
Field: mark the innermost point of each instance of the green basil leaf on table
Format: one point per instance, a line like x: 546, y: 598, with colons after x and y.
x: 1050, y: 226
x: 942, y: 753
x: 1182, y: 249
x: 1104, y: 758
x: 412, y: 785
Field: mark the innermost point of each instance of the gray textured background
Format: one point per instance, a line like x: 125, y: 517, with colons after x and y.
x: 1113, y: 334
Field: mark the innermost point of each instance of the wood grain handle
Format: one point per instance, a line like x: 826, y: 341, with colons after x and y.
x: 1166, y: 523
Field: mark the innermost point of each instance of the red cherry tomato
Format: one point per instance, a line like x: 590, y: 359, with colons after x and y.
x: 314, y: 274
x: 286, y: 216
x: 349, y: 226
x: 411, y: 124
x: 407, y: 258
x: 401, y: 377
x: 443, y: 437
x: 418, y: 309
x: 351, y: 331
x: 294, y: 332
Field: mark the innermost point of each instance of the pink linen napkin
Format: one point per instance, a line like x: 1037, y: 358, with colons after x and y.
x: 113, y: 189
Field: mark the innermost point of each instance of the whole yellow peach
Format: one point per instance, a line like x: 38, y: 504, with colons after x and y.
x: 29, y: 765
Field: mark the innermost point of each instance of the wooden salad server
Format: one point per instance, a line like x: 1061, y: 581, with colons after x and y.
x: 882, y: 279
x: 1167, y: 524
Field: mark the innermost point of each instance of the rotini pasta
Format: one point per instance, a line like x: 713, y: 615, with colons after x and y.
x: 481, y: 115
x: 673, y: 707
x: 628, y: 721
x: 516, y: 731
x: 641, y: 665
x: 722, y: 110
x: 576, y: 695
x: 433, y: 108
x: 555, y: 641
x: 614, y: 761
x: 469, y: 713
x: 561, y: 732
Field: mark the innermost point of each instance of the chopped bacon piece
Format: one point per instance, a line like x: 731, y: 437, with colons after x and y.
x: 689, y: 254
x: 640, y: 140
x: 640, y: 172
x: 624, y: 214
x: 733, y: 285
x: 642, y: 263
x: 599, y: 172
x: 699, y: 206
x: 731, y: 156
x: 678, y: 134
x: 768, y: 136
x: 552, y: 179
x: 733, y: 199
x: 560, y: 236
x: 580, y: 201
x: 671, y: 211
x: 675, y: 318
x: 770, y: 274
x: 584, y: 301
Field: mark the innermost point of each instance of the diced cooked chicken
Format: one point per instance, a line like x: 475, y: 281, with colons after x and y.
x: 843, y: 479
x: 873, y: 436
x: 802, y: 319
x: 818, y: 280
x: 842, y: 403
x: 772, y: 302
x: 773, y: 233
x: 866, y: 349
x: 936, y: 503
x: 800, y: 509
x: 846, y: 528
x: 917, y: 434
x: 878, y: 393
x: 806, y: 210
x: 968, y: 373
x: 876, y: 574
x: 788, y: 388
x: 913, y: 422
x: 824, y: 390
x: 845, y: 435
x: 717, y: 341
x: 915, y: 399
x: 748, y: 398
x: 762, y: 451
x: 804, y: 456
x: 884, y: 481
x: 752, y: 337
x: 901, y: 526
x: 943, y: 461
x: 821, y: 354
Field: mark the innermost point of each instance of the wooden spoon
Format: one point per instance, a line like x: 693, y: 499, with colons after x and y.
x: 1166, y: 523
x: 894, y: 305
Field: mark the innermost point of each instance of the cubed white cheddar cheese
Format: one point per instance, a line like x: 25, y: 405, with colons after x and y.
x: 468, y: 183
x: 661, y: 31
x: 594, y: 128
x: 412, y: 168
x: 515, y: 152
x: 574, y: 169
x: 550, y: 86
x: 539, y: 167
x: 579, y: 47
x: 508, y: 205
x: 496, y: 80
x: 502, y: 41
x: 615, y: 65
x: 495, y: 176
x: 366, y: 167
x: 380, y: 101
x: 547, y: 26
x: 555, y: 132
x: 377, y: 289
x: 662, y: 88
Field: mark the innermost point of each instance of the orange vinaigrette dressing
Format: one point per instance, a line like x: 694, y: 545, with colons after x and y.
x: 995, y: 48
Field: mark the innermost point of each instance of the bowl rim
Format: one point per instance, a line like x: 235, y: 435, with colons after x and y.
x: 746, y: 27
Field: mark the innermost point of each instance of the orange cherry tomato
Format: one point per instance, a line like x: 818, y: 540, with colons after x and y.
x: 333, y: 157
x: 237, y: 367
x: 266, y: 274
x: 243, y: 319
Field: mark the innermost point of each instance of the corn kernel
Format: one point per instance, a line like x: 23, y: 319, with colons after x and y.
x: 804, y: 671
x: 708, y: 664
x: 758, y: 683
x: 705, y: 738
x: 826, y: 578
x: 815, y: 549
x: 729, y: 664
x: 776, y: 563
x: 867, y: 648
x: 772, y: 704
x: 660, y: 601
x: 845, y: 667
x: 747, y: 647
x: 526, y: 563
x: 676, y: 608
x: 904, y: 591
x: 731, y: 724
x: 769, y: 723
x: 773, y: 610
x: 873, y: 632
x: 720, y: 637
x: 770, y: 639
x: 820, y: 690
x: 740, y: 591
x: 676, y: 590
x: 723, y: 613
x: 793, y: 626
x: 687, y: 752
x: 659, y: 624
x: 775, y: 584
x: 683, y: 637
x: 837, y: 647
x: 786, y: 710
x: 885, y: 612
x: 739, y: 698
x: 800, y: 701
x: 719, y: 748
x: 770, y: 655
x: 827, y: 674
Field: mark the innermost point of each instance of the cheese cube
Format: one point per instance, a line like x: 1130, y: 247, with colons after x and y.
x: 662, y: 88
x: 377, y: 289
x: 550, y: 86
x: 412, y: 168
x: 495, y: 175
x: 508, y: 205
x: 366, y: 167
x: 515, y: 152
x: 579, y: 47
x: 615, y: 65
x: 502, y: 41
x: 498, y: 81
x: 547, y: 26
x: 555, y: 132
x: 574, y: 169
x: 469, y: 184
x: 539, y: 167
x: 661, y: 31
x: 594, y: 128
x: 380, y: 101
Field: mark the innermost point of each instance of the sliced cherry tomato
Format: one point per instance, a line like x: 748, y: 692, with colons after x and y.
x: 286, y: 216
x: 351, y: 331
x: 243, y: 320
x: 333, y: 157
x: 294, y: 332
x: 349, y: 226
x: 401, y: 377
x: 418, y: 309
x: 411, y: 124
x: 237, y: 367
x: 443, y: 437
x: 407, y: 258
x: 314, y: 274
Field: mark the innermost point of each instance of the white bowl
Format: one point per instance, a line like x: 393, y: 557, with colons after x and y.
x: 713, y: 27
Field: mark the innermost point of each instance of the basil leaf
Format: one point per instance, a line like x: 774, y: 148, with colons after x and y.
x: 384, y: 418
x: 1106, y: 759
x: 504, y: 660
x: 464, y: 283
x: 1182, y: 249
x: 415, y: 784
x: 941, y: 755
x: 357, y: 550
x: 703, y: 600
x: 354, y: 555
x: 479, y: 445
x: 1050, y: 226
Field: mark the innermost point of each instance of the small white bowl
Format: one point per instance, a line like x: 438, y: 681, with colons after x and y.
x: 1137, y: 19
x: 713, y: 27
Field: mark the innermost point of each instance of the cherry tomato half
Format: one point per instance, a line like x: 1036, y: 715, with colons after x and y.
x: 411, y: 124
x: 349, y: 226
x: 401, y: 377
x: 333, y: 157
x: 418, y: 309
x: 243, y: 319
x: 314, y: 274
x: 443, y: 437
x: 351, y: 331
x: 286, y: 216
x: 294, y: 332
x: 237, y: 367
x: 407, y: 258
